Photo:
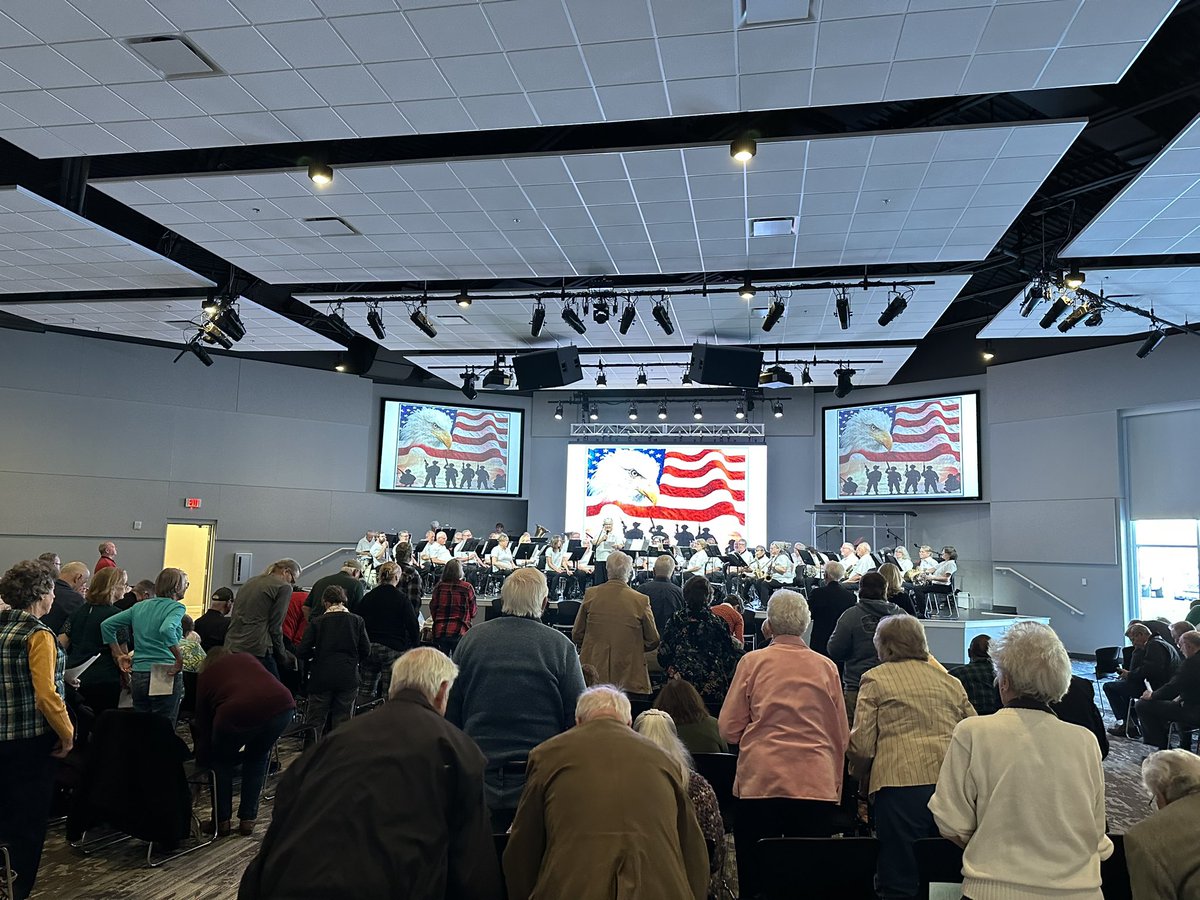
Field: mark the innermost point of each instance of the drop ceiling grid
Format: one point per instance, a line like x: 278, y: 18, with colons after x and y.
x: 44, y: 247
x: 1171, y: 292
x: 1156, y: 213
x: 297, y: 71
x: 596, y: 214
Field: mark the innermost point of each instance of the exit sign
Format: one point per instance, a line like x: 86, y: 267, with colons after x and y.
x: 192, y: 502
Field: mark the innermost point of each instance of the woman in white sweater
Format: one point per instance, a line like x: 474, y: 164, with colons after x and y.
x: 1021, y: 791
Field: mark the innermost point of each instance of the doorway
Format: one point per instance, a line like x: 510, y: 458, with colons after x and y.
x: 189, y: 546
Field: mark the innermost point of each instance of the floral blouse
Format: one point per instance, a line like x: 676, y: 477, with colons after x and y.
x: 708, y: 813
x: 701, y: 650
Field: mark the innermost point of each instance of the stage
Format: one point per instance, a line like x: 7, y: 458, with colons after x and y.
x: 949, y: 638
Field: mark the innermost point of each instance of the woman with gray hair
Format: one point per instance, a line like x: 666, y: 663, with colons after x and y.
x: 1161, y: 850
x: 906, y: 712
x: 1021, y: 791
x: 785, y: 710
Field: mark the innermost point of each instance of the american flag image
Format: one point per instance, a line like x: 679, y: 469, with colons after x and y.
x: 925, y: 434
x: 451, y: 434
x: 702, y: 487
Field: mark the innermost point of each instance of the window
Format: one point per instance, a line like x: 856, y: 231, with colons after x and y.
x: 1167, y: 567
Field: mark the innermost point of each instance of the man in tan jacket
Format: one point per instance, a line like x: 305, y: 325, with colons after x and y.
x: 605, y: 815
x: 615, y: 627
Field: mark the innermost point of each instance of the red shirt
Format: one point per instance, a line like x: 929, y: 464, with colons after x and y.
x: 452, y: 608
x: 733, y: 618
x: 235, y: 694
x: 293, y: 619
x: 103, y: 563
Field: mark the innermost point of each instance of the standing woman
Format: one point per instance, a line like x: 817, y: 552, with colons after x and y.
x: 157, y: 626
x: 391, y: 622
x: 35, y: 730
x: 452, y: 607
x: 337, y: 644
x: 100, y: 684
x: 894, y: 590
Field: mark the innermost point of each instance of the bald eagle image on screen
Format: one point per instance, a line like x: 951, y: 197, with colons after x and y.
x: 909, y: 448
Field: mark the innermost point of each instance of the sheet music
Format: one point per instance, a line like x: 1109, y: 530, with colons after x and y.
x: 74, y: 673
x: 162, y: 682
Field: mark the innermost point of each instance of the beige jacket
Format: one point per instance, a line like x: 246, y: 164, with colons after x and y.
x: 614, y: 629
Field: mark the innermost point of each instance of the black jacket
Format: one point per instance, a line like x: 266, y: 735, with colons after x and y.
x: 1155, y: 663
x: 212, y: 627
x: 394, y: 800
x: 336, y: 643
x: 666, y: 599
x: 1078, y: 706
x: 1185, y: 685
x: 66, y: 601
x: 390, y: 618
x: 827, y: 603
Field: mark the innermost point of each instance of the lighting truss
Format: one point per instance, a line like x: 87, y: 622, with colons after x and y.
x: 671, y: 432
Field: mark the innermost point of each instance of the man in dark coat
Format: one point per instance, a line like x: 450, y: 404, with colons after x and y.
x: 393, y: 801
x: 827, y: 603
x: 1153, y: 663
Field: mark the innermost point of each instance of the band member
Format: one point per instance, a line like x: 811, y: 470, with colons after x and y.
x: 555, y: 559
x: 435, y: 555
x: 781, y: 573
x: 501, y: 560
x: 700, y: 563
x: 585, y: 568
x: 607, y: 541
x: 467, y: 558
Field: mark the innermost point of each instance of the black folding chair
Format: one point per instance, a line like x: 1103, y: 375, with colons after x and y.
x: 1114, y: 872
x: 719, y: 769
x: 807, y: 868
x: 939, y: 861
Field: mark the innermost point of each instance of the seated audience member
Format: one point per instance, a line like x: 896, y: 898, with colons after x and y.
x: 394, y: 797
x: 605, y: 813
x: 906, y: 712
x: 1160, y: 628
x: 517, y: 687
x: 1176, y: 701
x: 658, y: 726
x: 1153, y: 663
x: 143, y: 590
x: 391, y: 623
x: 729, y: 611
x: 863, y: 563
x: 69, y: 585
x: 189, y: 645
x: 1161, y: 850
x: 1178, y: 630
x: 853, y: 640
x: 35, y: 729
x: 894, y: 590
x: 938, y: 581
x: 241, y: 710
x: 785, y: 711
x: 214, y: 623
x: 978, y: 676
x: 1022, y: 792
x: 696, y: 645
x: 666, y: 597
x: 349, y: 578
x: 452, y: 607
x: 827, y: 603
x: 615, y: 627
x: 100, y: 683
x: 694, y: 724
x: 336, y: 642
x: 1078, y: 706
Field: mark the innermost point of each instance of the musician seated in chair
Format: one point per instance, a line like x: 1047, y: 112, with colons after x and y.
x: 557, y: 574
x: 938, y: 581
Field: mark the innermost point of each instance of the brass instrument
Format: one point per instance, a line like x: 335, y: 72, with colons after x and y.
x: 540, y: 531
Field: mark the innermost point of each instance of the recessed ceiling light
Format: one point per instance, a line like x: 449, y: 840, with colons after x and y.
x: 743, y: 149
x: 320, y: 174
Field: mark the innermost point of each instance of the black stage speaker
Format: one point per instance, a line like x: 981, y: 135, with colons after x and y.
x: 731, y: 366
x: 547, y: 368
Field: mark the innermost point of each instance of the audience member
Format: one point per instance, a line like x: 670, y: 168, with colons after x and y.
x: 729, y: 611
x: 614, y: 628
x: 657, y: 725
x: 256, y: 625
x: 517, y: 686
x: 1078, y: 707
x: 68, y: 594
x: 694, y: 724
x: 390, y: 805
x: 337, y: 644
x: 1178, y: 630
x: 853, y: 640
x: 392, y: 626
x: 213, y: 625
x: 294, y: 622
x: 348, y: 578
x: 605, y: 813
x: 35, y: 730
x: 241, y: 710
x: 155, y: 626
x: 452, y: 607
x: 1193, y: 614
x: 100, y: 683
x: 143, y: 590
x: 666, y: 597
x: 906, y: 712
x: 696, y: 645
x: 978, y: 676
x: 51, y: 561
x: 190, y: 646
x: 894, y: 590
x: 1176, y: 701
x: 1159, y: 628
x: 108, y: 556
x: 827, y: 603
x: 1161, y: 850
x: 1022, y: 792
x: 785, y: 711
x: 1152, y: 665
x: 410, y: 576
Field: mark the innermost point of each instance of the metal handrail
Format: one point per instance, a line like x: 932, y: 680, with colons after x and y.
x: 328, y: 556
x: 1033, y: 584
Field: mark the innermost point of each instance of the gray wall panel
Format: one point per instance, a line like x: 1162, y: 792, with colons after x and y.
x: 1058, y: 458
x: 1071, y: 531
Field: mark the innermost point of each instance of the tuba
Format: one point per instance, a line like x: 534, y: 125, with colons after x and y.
x: 540, y: 531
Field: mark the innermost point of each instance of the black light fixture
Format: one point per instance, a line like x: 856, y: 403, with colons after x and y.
x: 601, y: 378
x: 320, y: 174
x: 747, y: 290
x: 663, y: 317
x: 642, y: 380
x: 1153, y: 339
x: 697, y: 412
x: 687, y: 377
x: 987, y: 354
x: 468, y: 385
x: 1074, y: 279
x: 739, y: 411
x: 334, y: 320
x: 1074, y: 317
x: 805, y: 377
x: 1057, y: 308
x: 463, y: 299
x: 211, y: 334
x: 497, y: 379
x: 340, y: 365
x: 743, y: 149
x: 571, y: 317
x: 558, y: 411
x: 1033, y: 296
x: 375, y: 320
x: 1095, y: 319
x: 843, y: 308
x: 538, y: 320
x: 594, y: 412
x: 777, y: 409
x: 210, y: 305
x: 421, y: 320
x: 774, y: 313
x: 633, y: 412
x: 199, y: 352
x: 601, y: 310
x: 228, y: 320
x: 627, y: 316
x: 662, y: 411
x: 844, y: 385
x: 896, y: 305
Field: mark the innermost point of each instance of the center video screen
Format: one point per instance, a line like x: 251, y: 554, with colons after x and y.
x: 659, y: 490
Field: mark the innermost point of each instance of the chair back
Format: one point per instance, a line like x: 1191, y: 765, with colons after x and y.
x: 794, y: 868
x: 567, y: 611
x: 1114, y: 872
x: 939, y: 861
x: 1108, y: 660
x: 719, y: 769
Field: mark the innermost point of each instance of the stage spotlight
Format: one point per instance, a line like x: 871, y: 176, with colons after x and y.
x: 340, y: 365
x: 600, y: 310
x: 1074, y: 279
x: 1095, y: 319
x: 463, y: 299
x: 743, y: 149
x: 375, y: 320
x: 200, y: 353
x: 214, y: 335
x: 747, y: 290
x: 320, y: 174
x: 538, y: 320
x: 342, y: 333
x: 739, y: 411
x: 228, y: 320
x: 843, y: 308
x: 594, y: 412
x: 421, y: 320
x: 687, y: 377
x: 663, y: 317
x: 601, y: 378
x: 211, y: 306
x: 1074, y: 317
x: 662, y: 411
x: 844, y: 385
x: 642, y: 380
x: 987, y: 354
x: 497, y: 379
x: 697, y: 412
x: 1033, y: 297
x: 468, y: 385
x: 627, y: 317
x: 1150, y: 344
x: 777, y: 409
x: 571, y: 317
x: 632, y: 412
x: 805, y: 377
x: 774, y: 314
x: 558, y: 412
x: 895, y: 306
x: 1057, y: 308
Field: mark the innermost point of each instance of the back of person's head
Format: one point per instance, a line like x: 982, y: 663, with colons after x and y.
x: 696, y: 593
x: 452, y: 572
x: 603, y: 701
x: 1137, y: 629
x: 834, y: 571
x: 333, y: 595
x: 871, y: 586
x: 619, y: 566
x: 893, y: 582
x: 102, y: 589
x: 425, y: 670
x: 900, y: 637
x: 1031, y: 658
x: 188, y: 624
x: 171, y: 583
x: 1179, y: 629
x: 1171, y: 774
x: 352, y: 567
x: 403, y: 553
x: 25, y: 584
x: 679, y: 698
x: 788, y: 613
x: 285, y: 566
x: 979, y: 647
x: 51, y: 561
x: 214, y: 656
x: 74, y: 570
x: 523, y: 593
x: 389, y: 573
x: 657, y: 725
x: 664, y: 566
x: 1191, y: 639
x: 145, y: 589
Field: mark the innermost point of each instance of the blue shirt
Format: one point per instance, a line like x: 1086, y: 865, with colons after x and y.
x: 157, y: 627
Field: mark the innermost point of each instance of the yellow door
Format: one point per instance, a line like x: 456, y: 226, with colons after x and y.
x: 190, y: 547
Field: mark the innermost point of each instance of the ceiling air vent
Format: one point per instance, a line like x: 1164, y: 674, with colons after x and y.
x: 174, y: 56
x: 772, y: 12
x: 772, y: 226
x: 331, y: 226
